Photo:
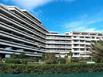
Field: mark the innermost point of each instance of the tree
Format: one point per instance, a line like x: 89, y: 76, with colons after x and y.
x: 69, y: 57
x: 22, y: 55
x: 61, y: 60
x: 14, y: 56
x: 97, y: 51
x: 50, y: 58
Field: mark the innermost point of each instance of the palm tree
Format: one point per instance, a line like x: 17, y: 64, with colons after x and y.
x: 97, y: 51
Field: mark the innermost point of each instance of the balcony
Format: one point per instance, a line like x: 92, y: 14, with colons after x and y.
x: 21, y: 25
x: 11, y: 42
x: 57, y: 51
x: 27, y: 21
x: 7, y: 43
x: 20, y: 32
x: 55, y: 38
x: 36, y: 26
x: 28, y: 18
x: 14, y: 37
x: 48, y: 42
x: 22, y: 21
x: 20, y: 38
x: 59, y: 47
x: 78, y: 47
x: 28, y: 54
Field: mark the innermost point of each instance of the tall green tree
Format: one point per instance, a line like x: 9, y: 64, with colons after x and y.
x: 97, y: 51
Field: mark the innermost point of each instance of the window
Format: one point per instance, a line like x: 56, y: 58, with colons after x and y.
x: 93, y: 37
x: 98, y: 37
x: 76, y: 40
x: 82, y: 49
x: 82, y: 41
x: 87, y: 37
x: 76, y: 53
x: 75, y: 36
x: 93, y: 34
x: 76, y: 45
x: 100, y: 34
x: 81, y: 44
x: 81, y: 36
x: 84, y: 33
x: 75, y: 49
x: 87, y: 49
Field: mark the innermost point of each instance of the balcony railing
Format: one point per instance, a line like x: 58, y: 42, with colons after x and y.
x: 62, y: 47
x: 16, y: 52
x: 17, y: 18
x: 17, y: 46
x: 21, y: 32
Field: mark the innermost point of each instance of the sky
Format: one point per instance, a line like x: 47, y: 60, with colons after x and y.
x: 64, y: 15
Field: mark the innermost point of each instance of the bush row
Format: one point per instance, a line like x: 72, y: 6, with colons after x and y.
x: 50, y: 68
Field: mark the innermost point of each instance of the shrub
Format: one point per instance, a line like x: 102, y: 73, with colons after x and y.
x: 50, y: 68
x: 24, y: 61
x: 50, y: 58
x: 14, y: 61
x: 62, y: 61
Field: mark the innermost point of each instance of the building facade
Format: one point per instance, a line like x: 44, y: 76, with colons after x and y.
x: 81, y: 42
x: 58, y: 43
x: 20, y: 32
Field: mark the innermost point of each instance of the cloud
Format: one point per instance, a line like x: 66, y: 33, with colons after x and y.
x: 84, y: 24
x: 31, y: 4
x: 27, y: 4
x: 81, y: 26
x: 83, y: 29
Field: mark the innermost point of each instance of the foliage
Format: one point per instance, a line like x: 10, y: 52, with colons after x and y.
x: 50, y: 58
x: 14, y: 56
x: 14, y: 61
x: 50, y: 68
x: 62, y: 60
x: 22, y: 55
x: 69, y: 57
x: 17, y: 59
x: 19, y: 56
x: 97, y: 51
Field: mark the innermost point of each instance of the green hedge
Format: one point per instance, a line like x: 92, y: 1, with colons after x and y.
x: 50, y: 68
x: 16, y: 61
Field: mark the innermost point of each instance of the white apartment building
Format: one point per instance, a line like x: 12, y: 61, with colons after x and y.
x: 81, y: 42
x: 58, y: 43
x: 20, y: 31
